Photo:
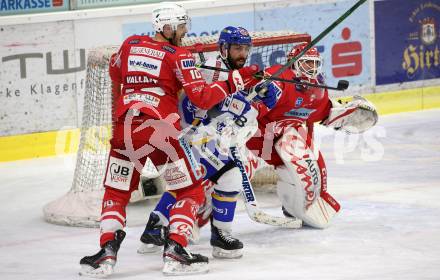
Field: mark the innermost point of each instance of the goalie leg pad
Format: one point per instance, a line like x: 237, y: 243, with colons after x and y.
x: 302, y: 182
x: 318, y: 214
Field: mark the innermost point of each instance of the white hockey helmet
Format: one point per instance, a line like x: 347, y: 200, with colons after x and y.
x: 169, y: 13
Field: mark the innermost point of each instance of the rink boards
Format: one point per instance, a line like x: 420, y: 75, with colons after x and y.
x: 43, y: 58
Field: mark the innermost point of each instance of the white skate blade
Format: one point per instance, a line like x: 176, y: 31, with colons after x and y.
x: 220, y: 253
x: 175, y: 268
x: 145, y: 249
x: 102, y: 271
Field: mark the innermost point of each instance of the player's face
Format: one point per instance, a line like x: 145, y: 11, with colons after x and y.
x: 238, y: 55
x: 308, y: 65
x: 181, y: 31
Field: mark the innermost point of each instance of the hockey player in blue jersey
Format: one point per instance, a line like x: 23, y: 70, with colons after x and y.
x: 223, y: 179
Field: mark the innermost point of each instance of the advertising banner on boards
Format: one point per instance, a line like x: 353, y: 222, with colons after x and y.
x: 38, y: 72
x: 346, y: 50
x: 13, y: 7
x: 87, y: 4
x: 407, y: 40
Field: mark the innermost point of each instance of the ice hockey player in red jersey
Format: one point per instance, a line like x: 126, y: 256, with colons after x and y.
x: 147, y: 75
x: 286, y: 139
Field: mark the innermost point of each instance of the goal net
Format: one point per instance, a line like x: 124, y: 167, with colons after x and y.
x: 81, y: 206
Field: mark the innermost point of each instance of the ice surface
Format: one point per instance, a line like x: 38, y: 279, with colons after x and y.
x: 389, y: 226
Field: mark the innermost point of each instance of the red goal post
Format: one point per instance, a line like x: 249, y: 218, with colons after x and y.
x: 81, y: 206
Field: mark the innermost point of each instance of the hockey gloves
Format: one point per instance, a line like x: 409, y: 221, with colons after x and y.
x: 243, y: 78
x: 271, y: 96
x: 236, y: 104
x: 192, y: 113
x: 355, y: 116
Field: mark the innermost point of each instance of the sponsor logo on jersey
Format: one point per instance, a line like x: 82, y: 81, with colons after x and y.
x: 141, y: 97
x: 144, y: 64
x: 147, y: 51
x: 119, y: 174
x: 190, y: 157
x: 301, y: 113
x: 169, y: 49
x: 177, y: 175
x: 210, y: 157
x: 140, y: 80
x: 298, y: 101
x: 248, y: 192
x: 134, y: 41
x: 188, y: 63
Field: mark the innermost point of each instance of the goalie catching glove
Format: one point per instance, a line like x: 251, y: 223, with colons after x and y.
x: 355, y: 116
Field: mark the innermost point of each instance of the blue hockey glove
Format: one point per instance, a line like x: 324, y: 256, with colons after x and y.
x: 272, y: 94
x: 192, y: 112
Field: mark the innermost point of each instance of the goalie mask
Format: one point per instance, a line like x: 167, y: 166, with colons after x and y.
x: 309, y: 64
x: 234, y: 36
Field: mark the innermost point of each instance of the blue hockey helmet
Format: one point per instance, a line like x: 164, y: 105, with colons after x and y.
x: 234, y: 35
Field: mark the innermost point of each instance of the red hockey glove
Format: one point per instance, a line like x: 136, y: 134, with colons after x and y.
x: 243, y: 78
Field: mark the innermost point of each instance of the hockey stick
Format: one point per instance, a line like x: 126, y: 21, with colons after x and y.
x: 251, y: 204
x: 313, y: 42
x: 342, y: 84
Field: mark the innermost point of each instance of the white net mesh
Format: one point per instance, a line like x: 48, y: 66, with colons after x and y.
x: 81, y: 206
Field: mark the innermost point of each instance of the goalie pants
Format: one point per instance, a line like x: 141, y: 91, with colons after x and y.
x: 132, y: 143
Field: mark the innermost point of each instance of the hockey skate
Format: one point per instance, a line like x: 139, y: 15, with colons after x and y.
x: 179, y: 261
x: 224, y: 246
x: 101, y: 264
x: 153, y: 237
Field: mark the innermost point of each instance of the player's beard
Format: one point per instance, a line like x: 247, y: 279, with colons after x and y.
x: 237, y: 63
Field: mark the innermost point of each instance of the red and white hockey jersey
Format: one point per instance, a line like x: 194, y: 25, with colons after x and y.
x: 295, y: 107
x: 154, y: 73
